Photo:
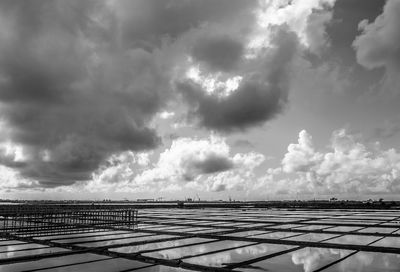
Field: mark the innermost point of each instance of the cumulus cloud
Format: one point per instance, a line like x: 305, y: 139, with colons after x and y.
x: 118, y: 171
x: 349, y: 166
x: 238, y: 79
x: 261, y: 94
x: 308, y: 19
x: 377, y: 45
x: 300, y: 156
x: 189, y: 158
x: 196, y: 163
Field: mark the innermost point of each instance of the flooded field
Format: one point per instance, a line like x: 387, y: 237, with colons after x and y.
x: 215, y: 240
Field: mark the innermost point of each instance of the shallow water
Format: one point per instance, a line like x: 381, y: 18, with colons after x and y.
x: 217, y: 238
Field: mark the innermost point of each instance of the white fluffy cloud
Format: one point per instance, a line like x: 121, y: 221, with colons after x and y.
x: 300, y: 156
x: 118, y: 171
x: 308, y: 19
x: 11, y: 180
x: 240, y: 178
x: 187, y: 158
x: 378, y: 44
x: 191, y: 163
x: 349, y: 166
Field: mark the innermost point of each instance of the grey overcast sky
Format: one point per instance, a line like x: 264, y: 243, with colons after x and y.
x: 257, y: 99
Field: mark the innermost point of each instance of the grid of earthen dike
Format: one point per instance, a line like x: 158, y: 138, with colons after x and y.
x: 119, y: 238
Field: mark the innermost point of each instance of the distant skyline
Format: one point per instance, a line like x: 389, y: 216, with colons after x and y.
x: 210, y: 99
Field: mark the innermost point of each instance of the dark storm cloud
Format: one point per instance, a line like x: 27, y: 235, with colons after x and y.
x: 63, y: 93
x: 81, y: 127
x: 252, y: 104
x: 218, y: 52
x: 147, y: 22
x: 262, y: 94
x: 81, y: 80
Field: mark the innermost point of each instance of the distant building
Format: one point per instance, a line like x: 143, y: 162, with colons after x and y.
x: 145, y: 200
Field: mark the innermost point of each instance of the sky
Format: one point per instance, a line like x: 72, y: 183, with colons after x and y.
x: 203, y: 99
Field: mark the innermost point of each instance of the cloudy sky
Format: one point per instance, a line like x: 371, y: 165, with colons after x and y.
x: 255, y: 99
